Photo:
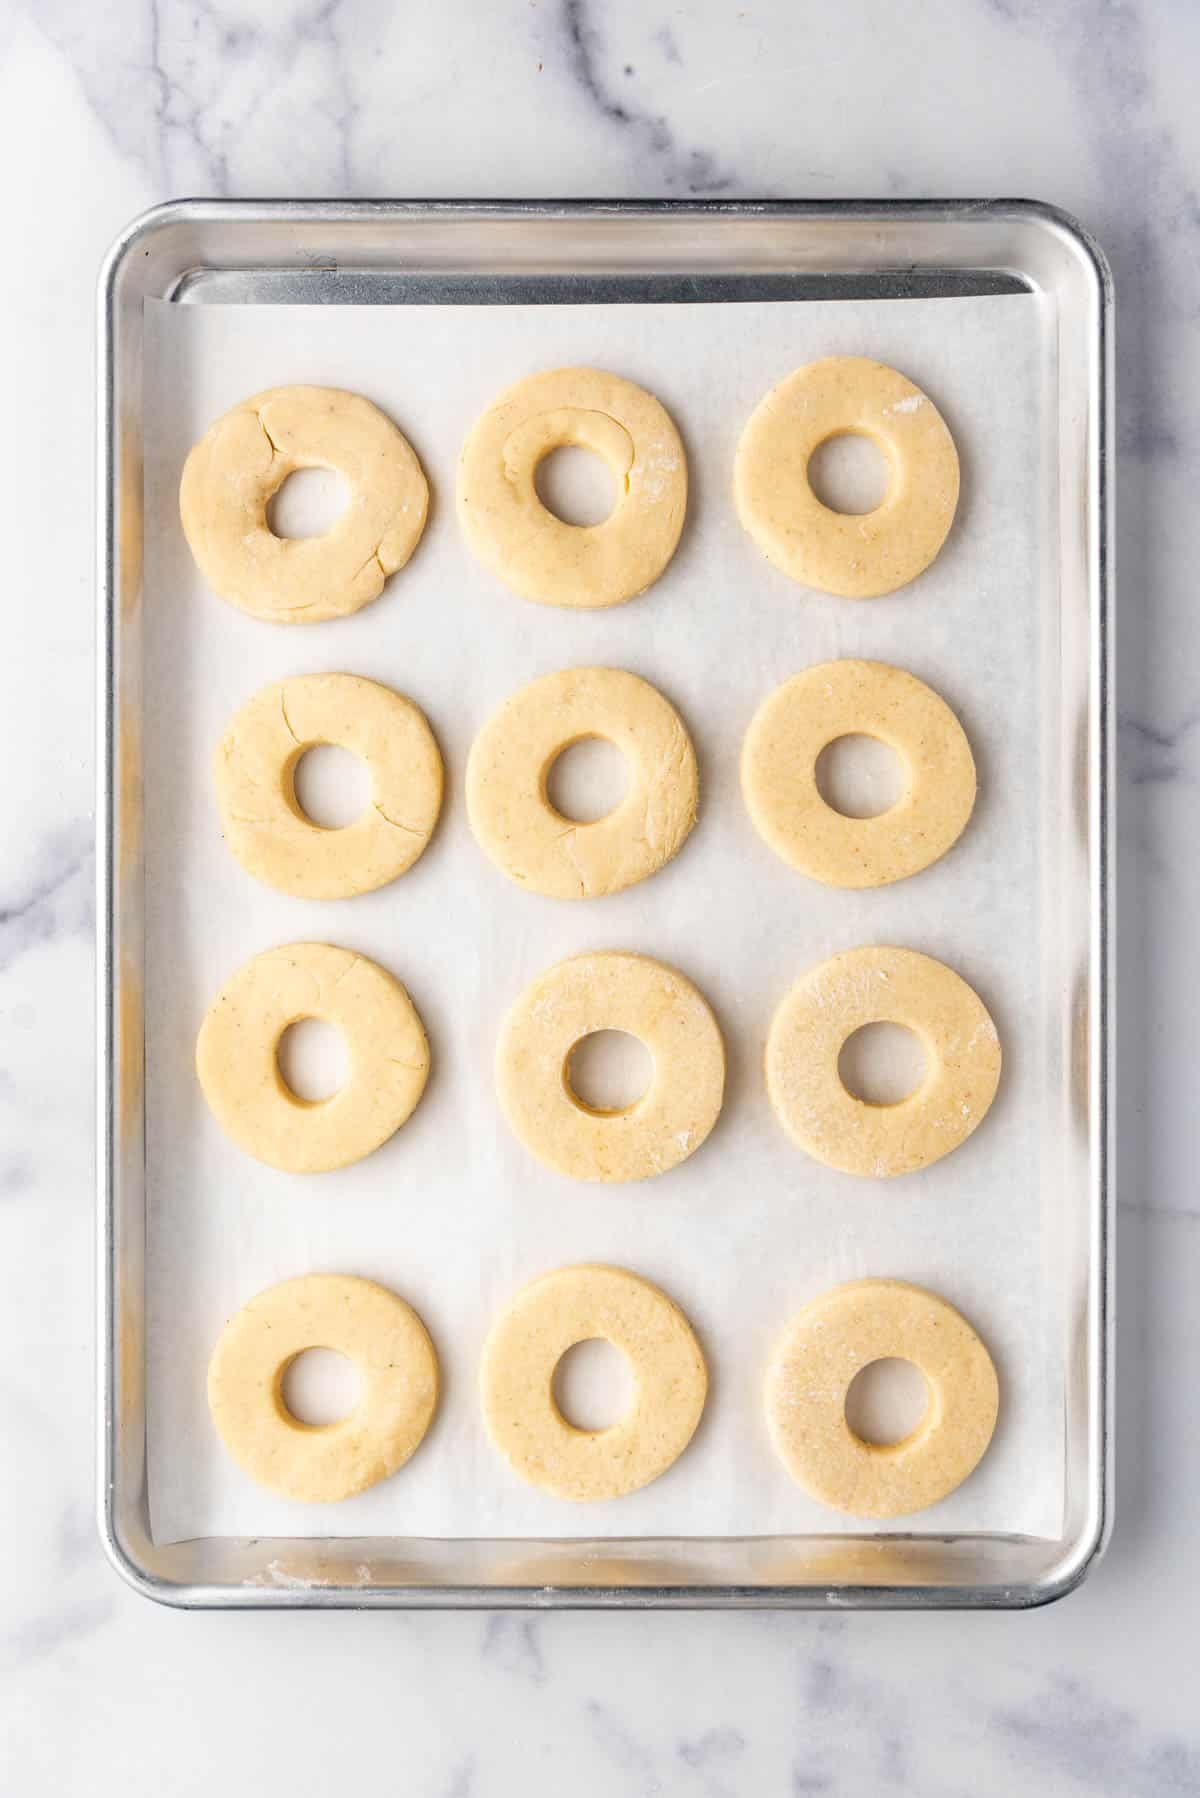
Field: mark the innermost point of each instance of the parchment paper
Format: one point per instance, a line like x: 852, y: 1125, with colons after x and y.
x: 453, y: 1213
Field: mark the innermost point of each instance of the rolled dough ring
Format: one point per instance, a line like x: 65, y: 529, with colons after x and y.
x: 837, y: 699
x: 238, y: 1066
x: 397, y: 1369
x: 611, y: 990
x: 264, y: 825
x: 525, y: 545
x: 870, y: 986
x: 243, y: 460
x: 512, y: 817
x: 543, y: 1321
x: 863, y: 555
x: 822, y: 1350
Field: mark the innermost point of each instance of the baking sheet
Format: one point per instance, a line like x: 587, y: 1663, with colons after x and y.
x: 453, y: 1213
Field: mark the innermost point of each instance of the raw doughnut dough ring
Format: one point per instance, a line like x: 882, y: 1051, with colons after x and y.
x: 397, y: 1369
x: 543, y: 1321
x: 238, y: 1066
x: 512, y: 817
x: 859, y: 556
x: 611, y: 990
x: 243, y: 460
x: 525, y: 545
x: 870, y: 986
x: 836, y: 699
x: 822, y: 1350
x: 265, y: 826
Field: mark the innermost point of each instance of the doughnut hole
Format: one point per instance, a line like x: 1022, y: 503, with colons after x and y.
x: 319, y: 1387
x: 593, y: 1385
x: 331, y: 786
x: 587, y: 780
x: 859, y: 776
x: 849, y: 473
x: 314, y: 1060
x: 886, y: 1401
x: 882, y: 1064
x: 576, y: 486
x: 308, y: 504
x: 608, y: 1072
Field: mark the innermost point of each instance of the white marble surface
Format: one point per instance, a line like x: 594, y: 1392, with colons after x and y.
x: 105, y: 108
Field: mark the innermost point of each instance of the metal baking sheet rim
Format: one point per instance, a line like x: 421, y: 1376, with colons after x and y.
x: 865, y: 246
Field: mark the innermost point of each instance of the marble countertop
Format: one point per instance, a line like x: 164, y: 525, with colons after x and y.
x: 107, y: 109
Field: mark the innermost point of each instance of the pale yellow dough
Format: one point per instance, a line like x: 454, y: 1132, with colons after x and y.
x: 514, y: 821
x: 544, y: 1320
x: 397, y: 1369
x: 837, y: 699
x: 525, y: 545
x: 238, y: 1065
x: 826, y: 1345
x: 859, y: 556
x: 254, y: 771
x: 243, y: 460
x: 871, y: 986
x: 611, y: 990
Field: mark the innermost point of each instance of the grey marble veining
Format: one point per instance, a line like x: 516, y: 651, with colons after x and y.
x: 55, y: 897
x: 621, y: 100
x: 105, y: 109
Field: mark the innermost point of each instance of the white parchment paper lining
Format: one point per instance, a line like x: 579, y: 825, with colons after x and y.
x: 453, y: 1213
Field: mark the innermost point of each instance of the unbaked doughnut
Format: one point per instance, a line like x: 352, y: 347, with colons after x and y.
x: 826, y: 1345
x: 397, y: 1369
x: 264, y: 825
x: 837, y: 699
x: 525, y: 545
x: 856, y: 555
x: 543, y: 1321
x: 243, y: 460
x: 512, y: 756
x: 238, y: 1065
x: 611, y: 990
x: 870, y: 986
